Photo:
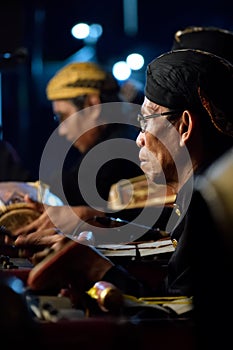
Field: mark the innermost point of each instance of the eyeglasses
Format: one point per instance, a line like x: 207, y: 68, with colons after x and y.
x: 61, y: 117
x: 56, y: 118
x: 143, y: 119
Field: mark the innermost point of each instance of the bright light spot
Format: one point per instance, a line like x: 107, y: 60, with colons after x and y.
x: 96, y: 31
x: 121, y: 70
x: 80, y: 31
x: 135, y: 61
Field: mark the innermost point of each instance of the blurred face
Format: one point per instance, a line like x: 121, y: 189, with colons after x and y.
x: 75, y: 125
x: 64, y: 109
x: 159, y: 145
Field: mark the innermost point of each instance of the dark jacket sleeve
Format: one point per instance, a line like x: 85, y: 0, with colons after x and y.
x: 127, y: 283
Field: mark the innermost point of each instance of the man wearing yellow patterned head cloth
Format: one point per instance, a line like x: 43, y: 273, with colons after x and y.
x: 86, y: 102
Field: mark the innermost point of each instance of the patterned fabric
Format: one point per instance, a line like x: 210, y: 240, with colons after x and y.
x: 211, y: 39
x: 77, y: 79
x: 193, y: 80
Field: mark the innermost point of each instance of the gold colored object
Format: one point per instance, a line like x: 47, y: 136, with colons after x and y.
x: 174, y: 243
x: 15, y: 212
x: 139, y: 192
x: 109, y: 298
x: 178, y: 304
x: 17, y: 215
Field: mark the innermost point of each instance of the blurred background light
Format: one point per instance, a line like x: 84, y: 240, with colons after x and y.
x: 96, y: 31
x: 80, y: 30
x: 135, y: 61
x: 121, y: 70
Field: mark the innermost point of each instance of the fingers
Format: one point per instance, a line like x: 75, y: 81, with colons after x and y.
x: 27, y: 228
x: 31, y: 245
x: 28, y: 199
x: 43, y: 222
x: 38, y: 257
x: 45, y: 237
x: 8, y: 240
x: 34, y: 204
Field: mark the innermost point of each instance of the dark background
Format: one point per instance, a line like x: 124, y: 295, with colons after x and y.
x: 42, y: 29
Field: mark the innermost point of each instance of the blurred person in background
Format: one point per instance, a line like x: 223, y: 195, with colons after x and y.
x: 75, y: 88
x: 93, y: 118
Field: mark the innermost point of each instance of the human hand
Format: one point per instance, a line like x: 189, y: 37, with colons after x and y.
x: 44, y: 233
x: 65, y: 218
x: 17, y: 215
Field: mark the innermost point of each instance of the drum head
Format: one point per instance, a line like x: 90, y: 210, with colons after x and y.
x: 14, y: 211
x: 17, y: 215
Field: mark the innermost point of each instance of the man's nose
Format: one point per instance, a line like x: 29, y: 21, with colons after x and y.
x: 62, y: 130
x: 140, y: 140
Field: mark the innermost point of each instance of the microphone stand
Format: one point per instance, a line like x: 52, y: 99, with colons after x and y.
x: 122, y: 231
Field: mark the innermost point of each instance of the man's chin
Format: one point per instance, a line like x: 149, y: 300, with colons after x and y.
x: 148, y: 174
x: 151, y: 175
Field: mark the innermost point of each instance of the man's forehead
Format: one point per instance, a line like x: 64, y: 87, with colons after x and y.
x: 149, y: 105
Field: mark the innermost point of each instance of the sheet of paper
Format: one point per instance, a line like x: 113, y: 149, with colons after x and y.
x: 145, y: 248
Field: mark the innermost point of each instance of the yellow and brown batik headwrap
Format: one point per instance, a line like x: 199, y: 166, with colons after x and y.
x: 80, y: 78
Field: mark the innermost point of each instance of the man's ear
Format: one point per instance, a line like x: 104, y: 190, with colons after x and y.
x: 93, y: 101
x: 186, y: 127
